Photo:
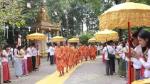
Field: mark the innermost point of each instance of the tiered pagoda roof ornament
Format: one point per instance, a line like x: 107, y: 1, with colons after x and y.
x: 43, y: 21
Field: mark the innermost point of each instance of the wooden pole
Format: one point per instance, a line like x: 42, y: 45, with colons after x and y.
x: 129, y: 54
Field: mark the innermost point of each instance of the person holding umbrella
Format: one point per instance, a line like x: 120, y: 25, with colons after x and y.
x: 144, y: 41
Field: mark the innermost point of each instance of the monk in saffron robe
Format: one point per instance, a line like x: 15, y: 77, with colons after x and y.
x: 75, y: 56
x: 59, y: 60
x: 71, y: 58
x: 78, y: 56
x: 81, y: 53
x: 90, y: 49
x: 93, y: 52
x: 86, y: 52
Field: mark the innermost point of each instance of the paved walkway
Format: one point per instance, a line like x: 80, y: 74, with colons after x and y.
x: 91, y: 72
x: 32, y: 78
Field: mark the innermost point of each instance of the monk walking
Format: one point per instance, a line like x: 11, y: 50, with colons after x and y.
x: 59, y: 60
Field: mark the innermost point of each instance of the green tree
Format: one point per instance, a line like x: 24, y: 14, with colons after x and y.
x: 10, y: 12
x: 85, y: 37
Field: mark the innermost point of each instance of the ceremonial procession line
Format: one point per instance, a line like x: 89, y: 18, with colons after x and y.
x: 55, y: 79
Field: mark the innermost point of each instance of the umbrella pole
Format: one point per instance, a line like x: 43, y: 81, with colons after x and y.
x: 129, y: 54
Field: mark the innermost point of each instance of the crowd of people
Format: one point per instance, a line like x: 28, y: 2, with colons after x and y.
x: 23, y: 60
x: 68, y: 56
x: 140, y: 56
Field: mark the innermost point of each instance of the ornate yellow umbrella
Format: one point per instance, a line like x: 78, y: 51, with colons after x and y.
x: 92, y: 40
x: 73, y: 40
x: 124, y: 16
x: 106, y: 35
x: 118, y: 16
x: 144, y: 81
x: 36, y: 36
x: 58, y: 39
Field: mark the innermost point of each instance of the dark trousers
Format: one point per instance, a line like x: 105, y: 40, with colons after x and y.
x: 109, y: 69
x: 113, y: 65
x: 48, y: 56
x: 33, y: 62
x: 52, y: 59
x: 137, y: 74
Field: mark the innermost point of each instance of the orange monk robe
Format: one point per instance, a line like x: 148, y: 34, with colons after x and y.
x: 67, y: 54
x: 64, y: 55
x: 70, y: 57
x: 73, y: 56
x: 93, y: 53
x: 90, y: 52
x: 59, y: 60
x: 76, y: 56
x: 81, y: 53
x: 86, y: 50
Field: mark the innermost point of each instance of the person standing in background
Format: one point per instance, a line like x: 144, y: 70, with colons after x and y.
x: 51, y: 49
x: 29, y: 58
x: 48, y: 52
x: 109, y: 61
x: 34, y: 54
x: 6, y: 72
x: 18, y: 62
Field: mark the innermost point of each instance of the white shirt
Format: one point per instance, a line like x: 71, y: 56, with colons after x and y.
x: 107, y: 49
x: 119, y: 50
x: 29, y: 52
x: 51, y: 50
x: 34, y: 51
x: 6, y: 54
x: 146, y: 65
x: 98, y: 47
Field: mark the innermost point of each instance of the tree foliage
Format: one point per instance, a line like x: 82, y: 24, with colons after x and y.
x: 10, y: 12
x: 85, y: 37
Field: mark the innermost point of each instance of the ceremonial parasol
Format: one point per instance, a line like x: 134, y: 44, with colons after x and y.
x: 58, y: 39
x: 36, y: 36
x: 92, y: 40
x: 106, y: 35
x: 73, y: 40
x: 125, y: 16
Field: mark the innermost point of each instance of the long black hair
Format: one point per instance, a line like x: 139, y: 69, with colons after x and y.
x: 135, y: 34
x: 145, y: 35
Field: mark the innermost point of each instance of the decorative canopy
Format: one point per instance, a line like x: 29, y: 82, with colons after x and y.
x: 58, y: 39
x: 92, y: 40
x: 106, y: 35
x: 118, y: 16
x: 36, y: 36
x: 73, y: 40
